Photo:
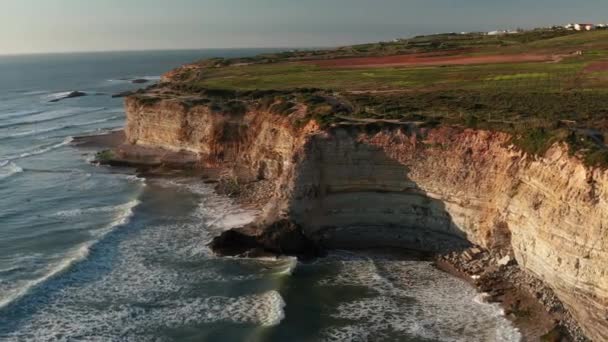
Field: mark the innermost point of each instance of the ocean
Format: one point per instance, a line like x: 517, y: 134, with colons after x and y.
x: 90, y: 253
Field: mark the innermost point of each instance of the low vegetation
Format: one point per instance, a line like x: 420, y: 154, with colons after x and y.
x: 562, y: 99
x: 104, y: 156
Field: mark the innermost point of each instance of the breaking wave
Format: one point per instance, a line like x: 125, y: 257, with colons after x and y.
x: 123, y: 214
x: 116, y: 208
x: 413, y: 299
x: 8, y: 168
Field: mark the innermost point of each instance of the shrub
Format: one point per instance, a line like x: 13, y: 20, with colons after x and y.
x: 104, y: 156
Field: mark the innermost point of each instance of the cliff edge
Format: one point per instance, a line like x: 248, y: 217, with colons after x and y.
x: 358, y: 184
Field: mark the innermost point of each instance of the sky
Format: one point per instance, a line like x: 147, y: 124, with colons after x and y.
x: 38, y: 26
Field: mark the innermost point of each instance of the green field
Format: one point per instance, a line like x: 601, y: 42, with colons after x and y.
x: 538, y: 102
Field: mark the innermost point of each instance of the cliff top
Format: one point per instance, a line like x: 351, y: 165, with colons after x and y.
x: 541, y: 86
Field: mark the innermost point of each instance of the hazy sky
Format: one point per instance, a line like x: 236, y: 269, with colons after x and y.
x: 91, y: 25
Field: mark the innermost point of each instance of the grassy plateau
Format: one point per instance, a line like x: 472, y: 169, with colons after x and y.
x: 542, y: 86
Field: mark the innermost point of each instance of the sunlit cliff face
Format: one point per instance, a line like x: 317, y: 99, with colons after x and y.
x: 427, y: 189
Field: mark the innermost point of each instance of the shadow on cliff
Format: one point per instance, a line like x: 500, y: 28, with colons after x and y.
x: 350, y: 194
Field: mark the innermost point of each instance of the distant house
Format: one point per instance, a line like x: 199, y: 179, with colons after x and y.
x: 584, y: 27
x: 501, y: 32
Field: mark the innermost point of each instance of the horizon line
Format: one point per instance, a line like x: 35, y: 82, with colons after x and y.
x: 163, y: 50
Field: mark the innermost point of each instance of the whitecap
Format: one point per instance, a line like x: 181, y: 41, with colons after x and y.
x: 8, y: 168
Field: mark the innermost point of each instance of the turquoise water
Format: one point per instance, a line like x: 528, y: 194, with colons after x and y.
x: 96, y: 254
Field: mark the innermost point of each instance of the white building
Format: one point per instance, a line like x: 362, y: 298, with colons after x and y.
x: 584, y: 27
x: 501, y: 32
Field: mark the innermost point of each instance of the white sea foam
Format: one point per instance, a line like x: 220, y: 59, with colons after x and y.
x: 135, y: 179
x: 159, y: 281
x: 122, y: 208
x: 72, y: 257
x: 8, y: 168
x: 124, y: 212
x: 266, y: 309
x: 137, y: 323
x: 217, y: 213
x: 416, y: 300
x: 290, y: 264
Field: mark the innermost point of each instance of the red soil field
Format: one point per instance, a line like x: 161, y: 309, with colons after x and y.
x: 597, y: 67
x: 426, y: 60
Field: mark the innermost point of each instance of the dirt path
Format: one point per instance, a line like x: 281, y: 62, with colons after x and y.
x: 426, y: 60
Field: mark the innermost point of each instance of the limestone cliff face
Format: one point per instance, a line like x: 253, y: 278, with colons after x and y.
x: 254, y: 144
x: 429, y: 189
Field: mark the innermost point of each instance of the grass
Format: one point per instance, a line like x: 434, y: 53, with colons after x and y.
x: 297, y: 75
x: 539, y: 103
x: 421, y: 44
x: 104, y: 156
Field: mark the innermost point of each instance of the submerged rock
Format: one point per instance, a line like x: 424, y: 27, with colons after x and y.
x: 70, y: 95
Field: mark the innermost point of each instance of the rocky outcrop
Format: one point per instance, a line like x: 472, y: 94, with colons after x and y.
x: 435, y: 189
x: 282, y: 237
x: 69, y: 95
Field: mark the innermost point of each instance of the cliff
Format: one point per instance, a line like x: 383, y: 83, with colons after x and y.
x: 401, y: 185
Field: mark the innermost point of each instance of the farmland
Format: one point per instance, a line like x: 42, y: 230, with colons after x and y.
x: 540, y: 86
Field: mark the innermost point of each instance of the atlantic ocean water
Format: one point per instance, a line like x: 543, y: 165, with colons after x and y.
x: 89, y: 253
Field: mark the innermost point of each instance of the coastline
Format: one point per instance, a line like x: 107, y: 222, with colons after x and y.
x: 527, y: 302
x: 531, y: 306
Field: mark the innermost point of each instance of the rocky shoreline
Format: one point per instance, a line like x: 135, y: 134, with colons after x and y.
x: 532, y: 306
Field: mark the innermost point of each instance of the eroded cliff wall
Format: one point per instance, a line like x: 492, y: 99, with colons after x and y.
x: 430, y: 189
